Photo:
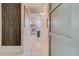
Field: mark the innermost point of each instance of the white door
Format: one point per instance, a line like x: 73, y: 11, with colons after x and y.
x: 64, y: 30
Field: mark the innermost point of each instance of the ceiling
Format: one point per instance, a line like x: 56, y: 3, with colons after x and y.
x: 34, y: 7
x: 33, y: 4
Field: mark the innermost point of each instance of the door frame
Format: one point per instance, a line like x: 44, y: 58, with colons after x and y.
x: 12, y: 48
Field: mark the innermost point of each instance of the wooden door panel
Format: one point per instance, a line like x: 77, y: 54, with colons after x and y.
x: 11, y: 24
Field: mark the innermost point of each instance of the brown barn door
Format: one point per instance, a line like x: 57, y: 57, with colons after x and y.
x: 11, y: 24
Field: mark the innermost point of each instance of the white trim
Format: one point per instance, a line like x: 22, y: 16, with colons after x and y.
x: 0, y: 25
x: 22, y: 25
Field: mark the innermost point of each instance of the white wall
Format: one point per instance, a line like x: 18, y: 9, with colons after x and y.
x: 54, y: 5
x: 65, y: 26
x: 75, y: 27
x: 61, y: 20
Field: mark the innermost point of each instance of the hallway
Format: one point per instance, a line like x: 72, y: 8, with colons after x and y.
x: 34, y: 45
x: 39, y: 29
